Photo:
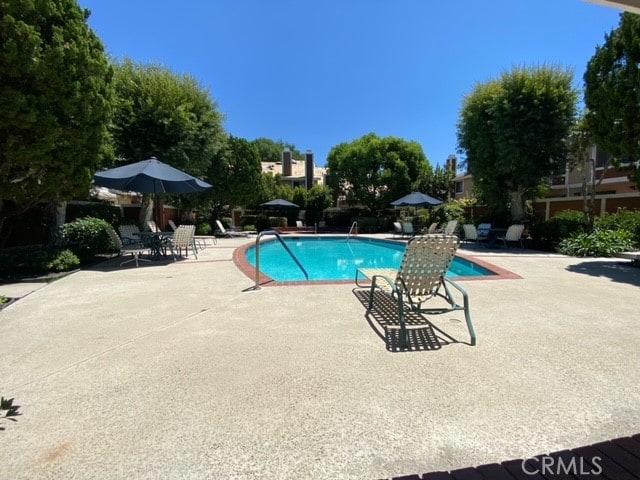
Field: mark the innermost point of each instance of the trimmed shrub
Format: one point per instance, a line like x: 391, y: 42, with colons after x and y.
x: 338, y: 217
x: 107, y: 212
x: 599, y: 243
x: 87, y: 237
x: 623, y: 219
x: 203, y: 229
x: 547, y: 235
x: 36, y: 260
x: 262, y: 223
x: 278, y: 222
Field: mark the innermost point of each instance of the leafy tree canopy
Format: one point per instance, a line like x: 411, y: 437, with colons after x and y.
x: 513, y: 133
x: 159, y: 113
x: 271, y: 150
x: 55, y: 99
x: 234, y: 174
x: 374, y: 171
x: 612, y: 91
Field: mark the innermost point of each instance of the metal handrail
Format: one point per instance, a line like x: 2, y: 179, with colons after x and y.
x: 277, y: 235
x: 353, y: 225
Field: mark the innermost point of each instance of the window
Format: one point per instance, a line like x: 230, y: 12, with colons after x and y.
x: 459, y: 187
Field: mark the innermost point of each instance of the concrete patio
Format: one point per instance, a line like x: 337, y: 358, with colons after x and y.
x: 176, y: 370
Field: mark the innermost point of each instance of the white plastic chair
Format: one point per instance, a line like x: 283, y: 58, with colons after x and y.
x: 513, y: 234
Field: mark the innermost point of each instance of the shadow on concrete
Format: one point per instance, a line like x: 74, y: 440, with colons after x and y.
x: 383, y: 320
x: 620, y: 271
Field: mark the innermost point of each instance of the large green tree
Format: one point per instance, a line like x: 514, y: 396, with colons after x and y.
x: 513, y: 133
x: 235, y: 175
x: 163, y: 114
x: 612, y: 92
x: 374, y: 171
x: 271, y: 150
x: 55, y: 103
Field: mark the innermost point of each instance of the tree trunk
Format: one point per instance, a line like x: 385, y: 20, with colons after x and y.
x: 146, y: 211
x: 517, y: 205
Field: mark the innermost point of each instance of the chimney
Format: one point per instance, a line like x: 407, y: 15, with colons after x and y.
x: 452, y: 164
x: 286, y: 162
x: 308, y: 169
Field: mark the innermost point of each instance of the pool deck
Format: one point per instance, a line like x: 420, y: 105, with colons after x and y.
x: 182, y: 370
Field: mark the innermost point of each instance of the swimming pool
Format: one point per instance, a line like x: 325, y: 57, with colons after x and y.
x: 335, y: 259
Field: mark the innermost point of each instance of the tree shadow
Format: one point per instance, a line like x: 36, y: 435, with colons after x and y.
x: 616, y: 270
x: 7, y: 411
x: 384, y: 321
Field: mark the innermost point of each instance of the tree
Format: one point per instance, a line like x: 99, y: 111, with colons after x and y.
x: 319, y: 198
x: 55, y: 103
x: 513, y: 133
x: 612, y: 92
x: 580, y: 145
x: 169, y: 116
x: 271, y: 151
x: 375, y: 171
x: 159, y: 113
x: 234, y: 175
x: 436, y: 182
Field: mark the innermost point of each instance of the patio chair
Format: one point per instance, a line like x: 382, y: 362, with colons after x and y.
x: 470, y: 232
x: 229, y: 233
x: 173, y: 225
x: 182, y: 239
x: 513, y: 234
x: 129, y: 234
x: 433, y: 228
x: 420, y: 278
x: 484, y: 230
x: 135, y: 249
x: 407, y: 229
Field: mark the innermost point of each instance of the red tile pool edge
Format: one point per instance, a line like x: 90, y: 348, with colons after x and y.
x: 240, y: 259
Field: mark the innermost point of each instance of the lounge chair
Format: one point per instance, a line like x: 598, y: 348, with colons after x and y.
x: 451, y: 227
x: 153, y: 227
x: 513, y: 234
x: 229, y: 233
x: 397, y: 229
x: 433, y: 228
x: 135, y: 249
x: 173, y: 225
x: 421, y: 277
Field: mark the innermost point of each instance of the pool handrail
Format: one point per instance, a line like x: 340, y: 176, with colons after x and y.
x: 353, y: 225
x: 277, y: 235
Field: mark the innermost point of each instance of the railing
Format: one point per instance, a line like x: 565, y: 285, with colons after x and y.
x: 277, y: 235
x: 353, y: 225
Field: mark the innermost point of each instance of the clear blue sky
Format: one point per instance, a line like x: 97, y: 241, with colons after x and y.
x: 317, y: 73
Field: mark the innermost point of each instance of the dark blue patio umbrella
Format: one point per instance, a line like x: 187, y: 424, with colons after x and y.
x: 279, y: 203
x: 150, y: 176
x: 416, y: 199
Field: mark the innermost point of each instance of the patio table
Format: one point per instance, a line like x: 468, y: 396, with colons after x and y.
x: 156, y: 241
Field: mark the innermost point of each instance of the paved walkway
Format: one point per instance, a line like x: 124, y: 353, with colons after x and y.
x: 177, y: 370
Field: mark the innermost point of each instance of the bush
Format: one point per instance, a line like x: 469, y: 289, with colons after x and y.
x: 106, y: 212
x: 277, y: 222
x: 203, y: 229
x: 338, y: 217
x: 36, y: 260
x: 623, y: 219
x: 262, y: 223
x: 87, y: 236
x: 599, y: 243
x: 547, y: 235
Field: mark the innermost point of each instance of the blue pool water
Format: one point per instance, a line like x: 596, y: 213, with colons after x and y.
x: 333, y: 258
